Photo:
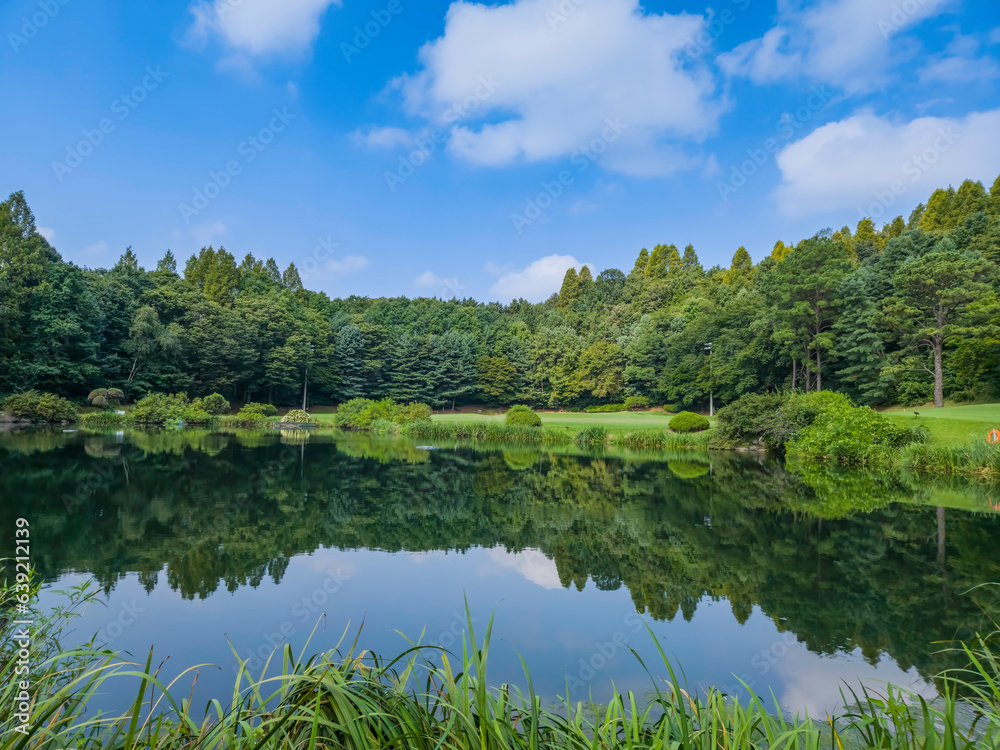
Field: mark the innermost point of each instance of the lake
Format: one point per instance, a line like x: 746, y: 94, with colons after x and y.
x: 791, y: 580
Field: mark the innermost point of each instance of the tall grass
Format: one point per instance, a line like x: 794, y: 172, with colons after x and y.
x: 428, y: 698
x: 978, y: 457
x: 492, y: 432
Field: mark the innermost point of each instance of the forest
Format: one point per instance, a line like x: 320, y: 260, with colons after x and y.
x: 905, y: 313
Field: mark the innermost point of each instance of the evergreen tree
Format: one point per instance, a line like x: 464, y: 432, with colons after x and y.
x: 350, y: 357
x: 291, y: 280
x: 570, y: 290
x: 640, y: 263
x: 860, y: 348
x: 168, y: 263
x: 940, y: 215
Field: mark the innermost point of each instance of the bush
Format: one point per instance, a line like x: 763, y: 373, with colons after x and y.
x: 605, y: 408
x: 216, y: 404
x: 297, y: 415
x: 772, y: 420
x: 522, y: 415
x: 688, y: 421
x: 363, y: 413
x: 106, y: 398
x: 632, y: 403
x: 156, y: 408
x: 39, y: 407
x: 850, y: 435
x: 670, y: 408
x: 254, y: 413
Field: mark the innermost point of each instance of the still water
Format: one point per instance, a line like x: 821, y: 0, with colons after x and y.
x: 792, y: 580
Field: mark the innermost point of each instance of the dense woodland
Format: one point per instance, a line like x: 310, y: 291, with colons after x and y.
x: 898, y: 314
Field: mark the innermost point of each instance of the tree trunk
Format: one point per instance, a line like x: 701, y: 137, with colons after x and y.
x: 795, y: 374
x: 819, y: 370
x: 938, y: 345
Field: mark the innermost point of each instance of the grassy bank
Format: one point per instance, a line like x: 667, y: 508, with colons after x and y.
x: 950, y: 425
x: 429, y: 698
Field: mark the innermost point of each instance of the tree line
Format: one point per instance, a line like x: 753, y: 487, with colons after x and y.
x: 904, y: 313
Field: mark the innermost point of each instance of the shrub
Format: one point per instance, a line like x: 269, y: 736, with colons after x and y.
x: 297, y: 415
x: 632, y: 403
x: 670, y: 408
x: 106, y: 398
x: 362, y: 413
x: 39, y: 407
x: 413, y: 412
x: 688, y: 421
x: 195, y: 415
x: 605, y: 408
x: 522, y: 415
x: 254, y: 413
x: 216, y: 404
x: 156, y: 408
x: 850, y: 435
x: 772, y: 419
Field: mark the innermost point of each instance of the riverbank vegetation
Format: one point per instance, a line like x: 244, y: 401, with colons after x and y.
x: 900, y: 314
x: 428, y: 698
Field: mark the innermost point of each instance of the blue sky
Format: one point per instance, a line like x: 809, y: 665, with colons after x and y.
x: 390, y: 147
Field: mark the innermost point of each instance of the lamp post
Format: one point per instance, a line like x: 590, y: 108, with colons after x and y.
x: 711, y: 400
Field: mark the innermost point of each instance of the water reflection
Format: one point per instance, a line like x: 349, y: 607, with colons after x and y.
x: 735, y: 558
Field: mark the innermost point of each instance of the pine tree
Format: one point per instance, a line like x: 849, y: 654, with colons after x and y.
x: 860, y: 348
x: 570, y: 291
x: 128, y: 263
x: 350, y: 358
x: 780, y: 251
x: 291, y: 280
x: 940, y: 213
x: 167, y: 263
x: 690, y: 261
x: 663, y: 260
x: 640, y: 263
x: 456, y: 367
x: 271, y: 271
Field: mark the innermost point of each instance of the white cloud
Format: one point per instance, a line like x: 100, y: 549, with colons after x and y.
x: 348, y: 264
x: 48, y: 234
x: 847, y: 43
x: 382, y: 137
x: 258, y: 27
x: 445, y: 287
x: 549, y: 84
x: 960, y: 64
x: 582, y: 207
x: 865, y: 159
x: 205, y: 234
x: 532, y: 564
x: 537, y: 282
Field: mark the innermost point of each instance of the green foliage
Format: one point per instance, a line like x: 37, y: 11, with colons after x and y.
x: 688, y: 421
x: 363, y: 413
x: 39, y: 407
x: 522, y: 415
x: 297, y: 416
x: 849, y: 434
x: 106, y: 398
x: 159, y: 408
x: 254, y: 414
x: 215, y: 404
x: 605, y: 409
x: 595, y: 435
x: 636, y: 403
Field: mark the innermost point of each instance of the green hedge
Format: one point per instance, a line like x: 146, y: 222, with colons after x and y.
x: 363, y: 413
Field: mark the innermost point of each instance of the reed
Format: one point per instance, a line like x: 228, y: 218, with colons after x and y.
x: 428, y: 698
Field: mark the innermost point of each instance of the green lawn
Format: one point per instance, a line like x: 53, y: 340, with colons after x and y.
x: 950, y: 424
